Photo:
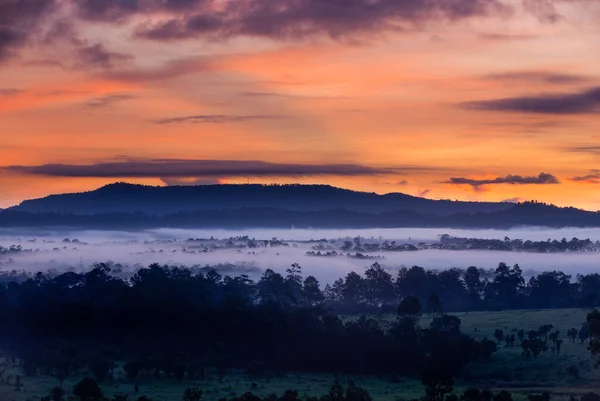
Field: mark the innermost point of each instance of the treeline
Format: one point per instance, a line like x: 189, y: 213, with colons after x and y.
x: 573, y: 245
x: 438, y: 387
x: 170, y: 322
x: 462, y: 290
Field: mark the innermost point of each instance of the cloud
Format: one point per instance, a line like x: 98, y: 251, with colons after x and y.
x: 293, y: 19
x: 181, y: 168
x: 97, y: 56
x: 10, y: 91
x: 424, y: 192
x: 108, y: 100
x: 545, y: 10
x: 541, y: 179
x: 25, y: 21
x: 171, y: 69
x: 587, y: 101
x: 539, y: 76
x: 592, y: 178
x: 20, y: 21
x: 516, y: 199
x: 594, y: 150
x: 175, y: 181
x: 285, y: 95
x: 213, y: 119
x: 505, y: 37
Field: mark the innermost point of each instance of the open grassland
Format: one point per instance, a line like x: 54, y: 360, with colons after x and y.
x: 235, y: 383
x: 510, y: 371
x: 507, y: 370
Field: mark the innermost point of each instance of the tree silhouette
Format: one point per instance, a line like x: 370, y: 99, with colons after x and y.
x: 438, y: 383
x: 192, y: 394
x: 87, y: 390
x: 57, y: 393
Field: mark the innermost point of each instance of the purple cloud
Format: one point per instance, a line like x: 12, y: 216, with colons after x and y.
x: 541, y: 179
x: 173, y: 168
x: 587, y: 101
x: 213, y: 119
x: 592, y: 178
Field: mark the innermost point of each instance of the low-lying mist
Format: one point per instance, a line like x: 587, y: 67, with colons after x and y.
x: 44, y: 250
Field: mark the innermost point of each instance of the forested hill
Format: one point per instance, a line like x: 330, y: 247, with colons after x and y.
x: 127, y: 198
x: 320, y: 206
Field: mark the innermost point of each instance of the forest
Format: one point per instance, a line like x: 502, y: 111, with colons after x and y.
x: 172, y: 322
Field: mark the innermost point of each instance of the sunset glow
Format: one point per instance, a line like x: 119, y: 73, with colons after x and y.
x: 486, y: 100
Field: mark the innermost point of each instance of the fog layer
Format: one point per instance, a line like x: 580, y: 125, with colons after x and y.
x: 42, y: 250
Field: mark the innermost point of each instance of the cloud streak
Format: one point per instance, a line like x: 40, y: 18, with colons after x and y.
x: 213, y: 119
x: 108, y: 100
x: 541, y: 179
x: 592, y: 178
x: 10, y: 91
x: 539, y: 76
x: 594, y: 150
x: 178, y: 168
x: 587, y: 101
x: 97, y: 56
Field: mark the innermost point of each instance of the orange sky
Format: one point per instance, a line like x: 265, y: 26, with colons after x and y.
x: 420, y: 99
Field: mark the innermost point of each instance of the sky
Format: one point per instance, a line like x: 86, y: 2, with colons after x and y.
x: 447, y: 99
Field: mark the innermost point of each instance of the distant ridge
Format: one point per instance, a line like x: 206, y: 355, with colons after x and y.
x: 125, y: 198
x: 127, y: 206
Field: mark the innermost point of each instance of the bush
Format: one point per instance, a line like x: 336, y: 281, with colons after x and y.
x: 87, y: 389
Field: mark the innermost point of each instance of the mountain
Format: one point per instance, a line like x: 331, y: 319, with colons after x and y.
x: 125, y: 198
x: 125, y: 206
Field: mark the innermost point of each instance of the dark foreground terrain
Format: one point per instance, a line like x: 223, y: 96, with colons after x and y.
x: 168, y: 332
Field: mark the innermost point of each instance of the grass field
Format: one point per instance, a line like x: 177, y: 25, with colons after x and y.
x: 507, y: 370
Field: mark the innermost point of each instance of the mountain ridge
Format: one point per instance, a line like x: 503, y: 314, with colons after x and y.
x: 132, y: 206
x: 122, y: 197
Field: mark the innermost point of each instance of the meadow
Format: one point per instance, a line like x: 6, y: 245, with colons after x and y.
x: 507, y: 370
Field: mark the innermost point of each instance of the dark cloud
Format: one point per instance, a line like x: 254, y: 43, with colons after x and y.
x: 587, y: 101
x: 23, y: 20
x: 541, y: 179
x: 20, y: 20
x: 97, y: 56
x: 592, y: 178
x: 288, y: 19
x: 175, y: 168
x: 9, y: 38
x: 539, y: 76
x: 424, y: 192
x: 213, y: 119
x: 107, y: 100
